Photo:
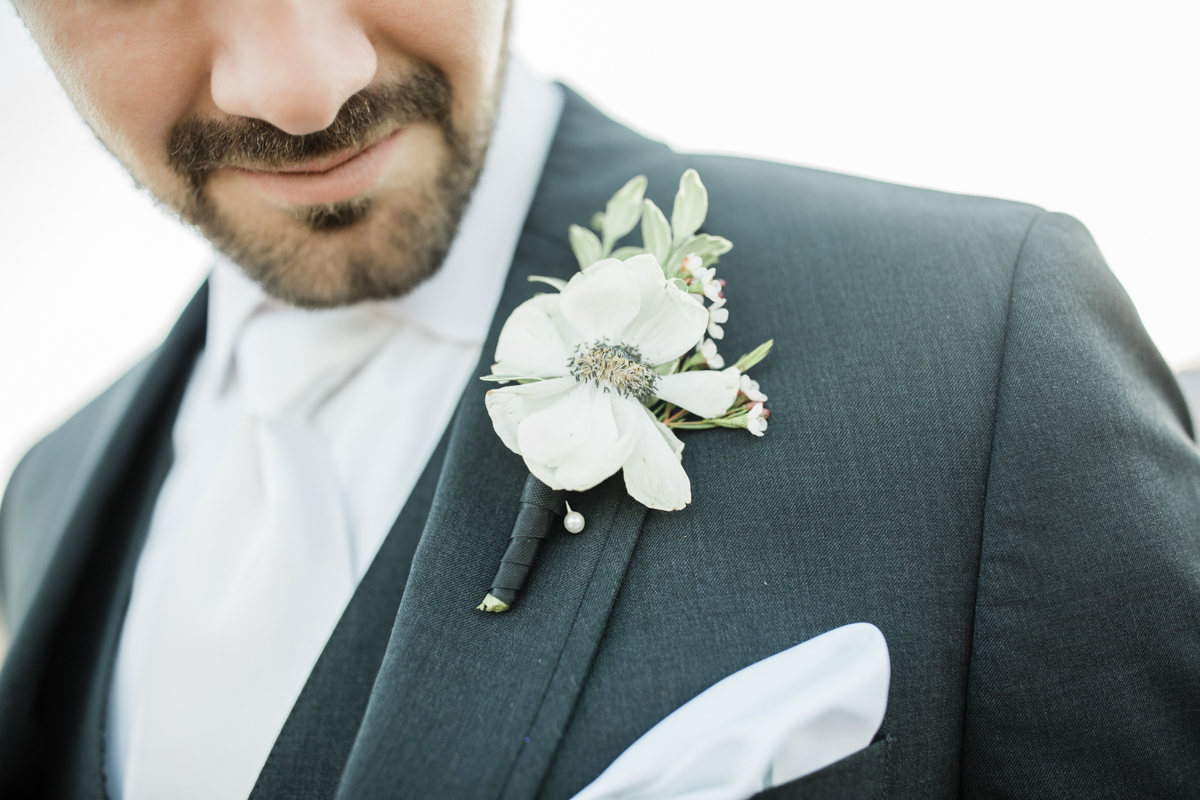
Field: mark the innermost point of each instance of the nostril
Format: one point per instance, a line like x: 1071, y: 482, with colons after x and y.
x: 295, y: 77
x: 301, y: 113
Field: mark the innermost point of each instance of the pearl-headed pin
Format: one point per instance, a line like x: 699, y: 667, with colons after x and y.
x: 574, y: 521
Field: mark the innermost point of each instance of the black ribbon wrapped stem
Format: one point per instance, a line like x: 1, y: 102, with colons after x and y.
x: 541, y: 508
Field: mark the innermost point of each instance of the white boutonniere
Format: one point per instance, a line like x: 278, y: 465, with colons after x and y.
x: 603, y: 371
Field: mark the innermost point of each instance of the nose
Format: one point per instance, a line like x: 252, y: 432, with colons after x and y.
x: 292, y: 63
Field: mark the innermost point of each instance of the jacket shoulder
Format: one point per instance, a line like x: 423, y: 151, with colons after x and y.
x: 46, y: 487
x: 798, y: 208
x: 780, y: 216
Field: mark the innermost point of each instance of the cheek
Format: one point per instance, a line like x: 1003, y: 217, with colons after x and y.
x: 463, y: 38
x: 131, y: 76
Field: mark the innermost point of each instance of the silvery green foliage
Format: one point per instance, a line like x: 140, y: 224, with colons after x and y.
x: 691, y: 207
x: 669, y: 243
x: 686, y: 259
x: 585, y: 244
x: 557, y: 283
x: 754, y: 356
x: 656, y: 232
x: 623, y: 212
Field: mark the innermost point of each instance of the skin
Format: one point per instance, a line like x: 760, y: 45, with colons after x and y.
x: 137, y: 69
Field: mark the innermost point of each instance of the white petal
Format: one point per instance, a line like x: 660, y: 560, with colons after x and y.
x: 600, y: 302
x: 646, y: 266
x: 574, y: 443
x: 669, y: 323
x: 654, y: 474
x: 535, y: 342
x: 705, y: 393
x: 750, y: 388
x: 511, y: 404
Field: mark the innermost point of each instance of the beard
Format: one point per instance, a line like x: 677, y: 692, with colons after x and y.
x: 366, y: 248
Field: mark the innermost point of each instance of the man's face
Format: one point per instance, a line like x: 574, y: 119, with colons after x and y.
x: 328, y: 146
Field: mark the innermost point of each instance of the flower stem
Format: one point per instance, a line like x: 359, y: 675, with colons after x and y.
x: 671, y: 418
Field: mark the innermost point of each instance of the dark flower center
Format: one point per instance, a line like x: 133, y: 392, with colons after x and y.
x: 616, y: 368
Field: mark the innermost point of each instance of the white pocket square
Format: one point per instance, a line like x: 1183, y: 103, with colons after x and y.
x: 773, y: 722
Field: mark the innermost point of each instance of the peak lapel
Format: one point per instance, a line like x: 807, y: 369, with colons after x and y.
x: 96, y: 449
x: 473, y: 705
x: 467, y: 703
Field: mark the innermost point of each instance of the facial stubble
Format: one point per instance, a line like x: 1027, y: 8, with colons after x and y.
x: 366, y: 248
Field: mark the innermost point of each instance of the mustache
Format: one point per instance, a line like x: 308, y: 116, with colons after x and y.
x: 198, y: 147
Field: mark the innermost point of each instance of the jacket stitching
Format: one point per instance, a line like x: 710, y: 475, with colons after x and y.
x: 987, y: 484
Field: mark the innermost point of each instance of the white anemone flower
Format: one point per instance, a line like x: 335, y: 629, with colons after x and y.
x: 593, y: 348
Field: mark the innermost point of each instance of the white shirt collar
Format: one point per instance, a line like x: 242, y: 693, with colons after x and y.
x: 458, y: 302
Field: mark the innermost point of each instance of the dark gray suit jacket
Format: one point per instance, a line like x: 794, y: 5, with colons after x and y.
x: 1189, y: 381
x: 973, y: 445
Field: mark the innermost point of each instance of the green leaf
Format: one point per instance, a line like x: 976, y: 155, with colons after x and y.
x: 754, y: 356
x: 656, y: 232
x: 671, y: 268
x: 693, y: 361
x: 707, y: 247
x: 585, y: 244
x: 691, y: 206
x: 669, y: 368
x: 557, y: 283
x: 625, y: 253
x: 680, y: 285
x: 623, y: 211
x: 597, y: 222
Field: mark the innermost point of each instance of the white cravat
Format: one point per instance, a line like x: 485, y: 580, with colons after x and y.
x: 300, y: 437
x: 260, y: 571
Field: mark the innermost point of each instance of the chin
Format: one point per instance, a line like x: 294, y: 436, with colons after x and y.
x: 345, y: 253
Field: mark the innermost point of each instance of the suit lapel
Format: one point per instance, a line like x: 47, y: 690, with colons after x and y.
x: 467, y: 702
x: 80, y: 540
x: 473, y: 705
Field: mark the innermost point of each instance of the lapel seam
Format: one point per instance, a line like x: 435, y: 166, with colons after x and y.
x: 605, y: 551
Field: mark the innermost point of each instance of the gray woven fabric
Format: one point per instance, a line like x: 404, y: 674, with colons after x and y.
x: 72, y: 524
x: 973, y: 445
x: 1189, y: 381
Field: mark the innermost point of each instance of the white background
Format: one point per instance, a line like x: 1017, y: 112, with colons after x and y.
x: 1085, y: 107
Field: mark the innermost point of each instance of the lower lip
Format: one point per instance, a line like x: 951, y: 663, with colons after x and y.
x: 343, y: 182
